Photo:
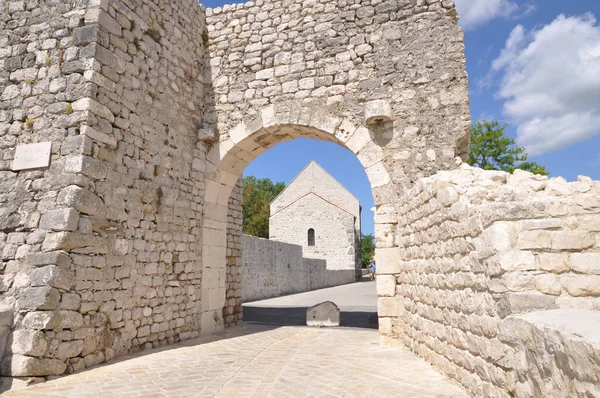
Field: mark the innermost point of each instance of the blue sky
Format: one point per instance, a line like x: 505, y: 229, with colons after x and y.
x: 534, y: 65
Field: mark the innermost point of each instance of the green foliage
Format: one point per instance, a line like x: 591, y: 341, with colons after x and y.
x: 367, y: 247
x: 491, y: 150
x: 258, y: 194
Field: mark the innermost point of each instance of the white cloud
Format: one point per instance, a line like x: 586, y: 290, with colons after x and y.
x: 551, y: 82
x: 473, y: 13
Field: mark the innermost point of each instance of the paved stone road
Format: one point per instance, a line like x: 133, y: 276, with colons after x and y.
x: 267, y: 360
x: 261, y: 361
x: 357, y: 303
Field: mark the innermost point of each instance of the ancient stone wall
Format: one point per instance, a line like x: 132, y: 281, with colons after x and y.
x: 337, y: 56
x: 556, y: 352
x: 124, y: 241
x: 273, y: 269
x: 288, y: 69
x: 473, y: 247
x: 115, y: 86
x: 44, y: 95
x: 234, y: 288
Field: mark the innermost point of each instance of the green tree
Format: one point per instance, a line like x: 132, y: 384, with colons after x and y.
x: 492, y: 150
x: 367, y: 247
x: 258, y: 194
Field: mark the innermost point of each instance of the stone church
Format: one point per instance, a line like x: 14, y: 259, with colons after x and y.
x: 316, y: 212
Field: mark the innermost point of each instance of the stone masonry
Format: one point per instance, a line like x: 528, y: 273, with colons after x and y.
x: 471, y: 252
x: 130, y: 238
x: 274, y: 269
x: 153, y: 109
x: 316, y: 201
x: 101, y: 251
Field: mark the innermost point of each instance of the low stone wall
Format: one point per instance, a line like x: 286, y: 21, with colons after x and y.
x: 272, y: 269
x: 471, y: 248
x: 562, y: 344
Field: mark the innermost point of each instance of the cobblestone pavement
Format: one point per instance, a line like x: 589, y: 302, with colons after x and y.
x: 260, y: 361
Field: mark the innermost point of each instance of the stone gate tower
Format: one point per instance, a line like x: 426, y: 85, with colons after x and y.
x: 119, y: 231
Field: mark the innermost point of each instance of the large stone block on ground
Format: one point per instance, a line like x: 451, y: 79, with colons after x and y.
x: 22, y: 366
x: 323, y: 314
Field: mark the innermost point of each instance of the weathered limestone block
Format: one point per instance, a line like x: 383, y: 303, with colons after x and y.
x: 60, y: 220
x: 323, y: 314
x: 53, y: 276
x: 500, y: 236
x: 517, y: 282
x: 388, y: 260
x: 588, y: 285
x: 94, y: 359
x: 390, y: 306
x: 90, y: 34
x: 81, y: 199
x: 38, y: 298
x: 86, y: 165
x: 22, y: 366
x: 447, y: 196
x: 51, y: 258
x: 29, y: 342
x: 572, y: 240
x: 537, y: 239
x: 554, y: 262
x: 515, y: 303
x: 69, y: 349
x: 517, y: 261
x: 545, y: 223
x: 548, y: 284
x: 44, y: 320
x: 75, y: 240
x: 89, y: 345
x: 586, y: 263
x: 386, y: 285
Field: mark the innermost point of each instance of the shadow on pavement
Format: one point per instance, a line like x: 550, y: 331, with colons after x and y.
x: 296, y: 316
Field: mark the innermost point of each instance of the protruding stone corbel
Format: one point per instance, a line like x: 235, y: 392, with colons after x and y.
x: 378, y: 112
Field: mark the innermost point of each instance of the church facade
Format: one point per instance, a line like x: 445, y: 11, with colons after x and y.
x: 316, y: 212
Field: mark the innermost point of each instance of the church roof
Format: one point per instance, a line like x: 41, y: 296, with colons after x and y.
x: 307, y: 169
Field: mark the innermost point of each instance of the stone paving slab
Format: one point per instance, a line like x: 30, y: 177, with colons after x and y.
x: 261, y: 361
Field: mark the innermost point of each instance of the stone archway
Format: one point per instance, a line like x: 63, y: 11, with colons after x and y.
x: 227, y: 160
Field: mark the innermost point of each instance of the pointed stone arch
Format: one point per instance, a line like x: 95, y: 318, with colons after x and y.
x: 237, y: 148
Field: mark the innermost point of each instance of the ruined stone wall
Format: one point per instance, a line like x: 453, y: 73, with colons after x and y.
x: 118, y: 89
x: 337, y: 56
x: 113, y: 247
x: 273, y: 269
x: 556, y: 352
x: 144, y: 290
x: 476, y: 247
x: 44, y: 95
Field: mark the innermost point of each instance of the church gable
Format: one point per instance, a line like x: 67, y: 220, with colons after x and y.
x: 315, y: 180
